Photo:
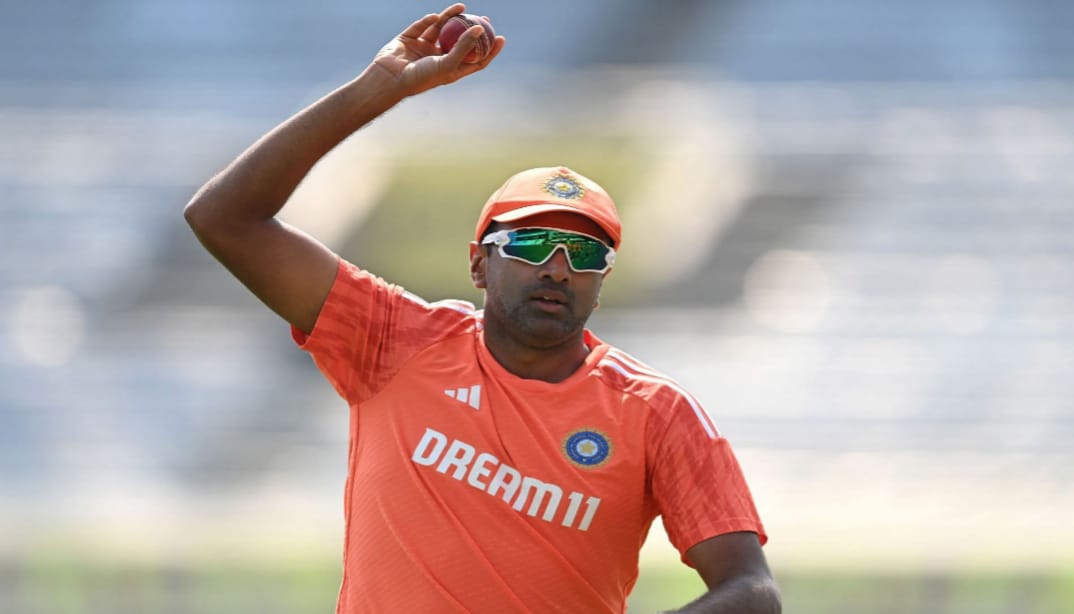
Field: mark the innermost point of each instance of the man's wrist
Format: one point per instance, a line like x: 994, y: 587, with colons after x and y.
x: 370, y: 94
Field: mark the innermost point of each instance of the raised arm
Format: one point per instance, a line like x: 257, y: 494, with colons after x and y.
x: 233, y: 215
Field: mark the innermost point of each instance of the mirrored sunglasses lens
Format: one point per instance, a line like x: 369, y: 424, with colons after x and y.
x: 587, y: 254
x: 536, y: 244
x: 534, y: 252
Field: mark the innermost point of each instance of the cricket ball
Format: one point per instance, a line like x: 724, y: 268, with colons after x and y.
x: 457, y: 25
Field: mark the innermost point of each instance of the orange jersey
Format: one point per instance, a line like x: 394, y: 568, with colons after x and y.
x: 473, y: 490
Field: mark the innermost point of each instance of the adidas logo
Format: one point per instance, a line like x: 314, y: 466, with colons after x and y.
x: 471, y: 395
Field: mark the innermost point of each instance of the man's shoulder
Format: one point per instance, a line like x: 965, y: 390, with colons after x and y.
x: 434, y: 321
x: 624, y: 372
x: 448, y: 305
x: 667, y: 399
x: 445, y: 311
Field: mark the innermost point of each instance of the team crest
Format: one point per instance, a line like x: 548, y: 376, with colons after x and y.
x: 587, y: 448
x: 564, y: 186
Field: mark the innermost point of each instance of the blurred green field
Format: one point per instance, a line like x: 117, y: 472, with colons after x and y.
x: 61, y: 585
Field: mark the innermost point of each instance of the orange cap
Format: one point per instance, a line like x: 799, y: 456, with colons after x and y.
x: 541, y: 190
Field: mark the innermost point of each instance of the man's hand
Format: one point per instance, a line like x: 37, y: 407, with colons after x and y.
x: 416, y: 61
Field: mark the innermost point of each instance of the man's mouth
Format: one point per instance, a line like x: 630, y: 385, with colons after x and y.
x: 550, y: 299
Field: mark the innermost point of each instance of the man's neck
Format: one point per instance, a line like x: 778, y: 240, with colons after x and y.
x: 552, y: 364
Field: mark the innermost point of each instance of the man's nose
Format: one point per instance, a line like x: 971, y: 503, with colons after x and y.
x: 556, y: 268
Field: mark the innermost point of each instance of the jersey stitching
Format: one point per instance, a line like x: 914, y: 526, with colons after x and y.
x: 616, y: 363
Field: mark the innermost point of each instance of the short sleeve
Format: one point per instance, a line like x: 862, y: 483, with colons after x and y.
x: 368, y: 328
x: 697, y: 483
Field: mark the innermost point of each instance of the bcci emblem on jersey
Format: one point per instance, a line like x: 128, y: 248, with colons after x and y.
x: 587, y: 448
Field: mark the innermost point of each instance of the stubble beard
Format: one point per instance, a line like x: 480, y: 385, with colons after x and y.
x: 529, y: 327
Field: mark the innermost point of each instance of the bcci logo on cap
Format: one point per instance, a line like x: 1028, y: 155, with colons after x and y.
x: 563, y: 186
x: 587, y: 448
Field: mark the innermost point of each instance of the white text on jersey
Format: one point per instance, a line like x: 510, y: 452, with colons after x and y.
x: 460, y: 460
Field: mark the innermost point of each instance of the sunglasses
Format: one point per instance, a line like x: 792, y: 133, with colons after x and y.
x: 585, y: 254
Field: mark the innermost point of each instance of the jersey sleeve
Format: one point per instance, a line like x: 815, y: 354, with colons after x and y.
x: 368, y: 328
x: 696, y: 480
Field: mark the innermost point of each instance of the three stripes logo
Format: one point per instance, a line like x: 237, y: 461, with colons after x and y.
x: 470, y: 396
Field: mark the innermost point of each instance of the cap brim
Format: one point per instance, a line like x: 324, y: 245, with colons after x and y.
x: 528, y: 210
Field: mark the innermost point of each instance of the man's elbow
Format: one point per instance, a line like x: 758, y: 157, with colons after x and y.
x: 210, y: 222
x: 196, y: 214
x: 766, y: 596
x: 192, y: 215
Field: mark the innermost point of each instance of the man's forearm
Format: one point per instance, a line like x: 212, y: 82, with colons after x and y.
x: 259, y: 182
x: 233, y: 215
x: 738, y: 596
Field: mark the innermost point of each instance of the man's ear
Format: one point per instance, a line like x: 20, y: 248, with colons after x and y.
x: 478, y: 262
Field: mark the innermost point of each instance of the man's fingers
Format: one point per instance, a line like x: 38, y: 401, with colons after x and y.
x: 415, y: 29
x: 469, y: 69
x: 432, y: 33
x: 428, y: 28
x: 466, y: 42
x: 451, y: 11
x: 448, y: 13
x: 497, y: 47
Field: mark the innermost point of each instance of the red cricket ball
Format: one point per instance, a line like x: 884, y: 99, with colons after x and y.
x: 454, y: 28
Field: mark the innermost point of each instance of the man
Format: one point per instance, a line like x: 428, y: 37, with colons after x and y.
x: 500, y: 461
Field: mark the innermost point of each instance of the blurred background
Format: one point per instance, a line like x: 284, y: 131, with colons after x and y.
x: 849, y: 232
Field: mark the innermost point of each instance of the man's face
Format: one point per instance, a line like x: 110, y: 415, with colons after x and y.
x: 539, y: 306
